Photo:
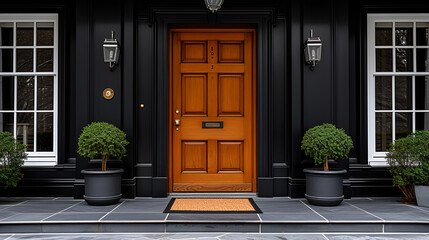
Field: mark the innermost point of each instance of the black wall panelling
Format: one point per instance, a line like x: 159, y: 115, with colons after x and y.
x: 145, y: 118
x: 95, y: 21
x: 83, y: 79
x: 294, y: 102
x: 129, y: 104
x: 277, y: 104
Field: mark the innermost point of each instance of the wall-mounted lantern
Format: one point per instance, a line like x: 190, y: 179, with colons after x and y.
x: 213, y: 5
x: 313, y: 50
x: 111, y: 51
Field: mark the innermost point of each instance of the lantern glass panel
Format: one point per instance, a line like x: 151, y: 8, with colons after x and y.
x: 314, y: 52
x: 110, y: 53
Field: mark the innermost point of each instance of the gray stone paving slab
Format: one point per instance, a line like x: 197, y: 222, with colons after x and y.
x: 344, y: 212
x: 85, y: 207
x: 404, y: 227
x: 141, y: 206
x: 286, y: 206
x: 310, y: 217
x: 26, y: 217
x: 4, y: 215
x: 391, y: 211
x: 377, y: 237
x: 270, y: 236
x: 320, y: 228
x: 75, y: 217
x: 131, y: 227
x: 39, y: 207
x: 134, y: 216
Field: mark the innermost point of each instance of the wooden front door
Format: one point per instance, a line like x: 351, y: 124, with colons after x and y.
x: 212, y: 82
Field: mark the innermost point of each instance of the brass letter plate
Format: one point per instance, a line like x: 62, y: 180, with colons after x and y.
x: 213, y: 124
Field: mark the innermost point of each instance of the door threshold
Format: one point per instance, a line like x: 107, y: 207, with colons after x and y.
x: 214, y: 195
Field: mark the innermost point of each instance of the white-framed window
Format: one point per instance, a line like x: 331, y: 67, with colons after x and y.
x: 398, y: 80
x: 29, y: 83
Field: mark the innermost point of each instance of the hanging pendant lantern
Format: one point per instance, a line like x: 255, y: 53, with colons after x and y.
x: 213, y: 5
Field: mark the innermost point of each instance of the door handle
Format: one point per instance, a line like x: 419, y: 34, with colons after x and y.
x: 177, y: 121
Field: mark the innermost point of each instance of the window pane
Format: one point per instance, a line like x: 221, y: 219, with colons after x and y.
x: 24, y: 60
x: 25, y: 93
x: 7, y: 93
x: 45, y: 58
x: 384, y: 60
x: 6, y: 122
x: 422, y: 34
x: 404, y: 34
x: 383, y: 131
x: 404, y: 60
x: 25, y: 34
x: 403, y: 93
x: 383, y: 34
x: 422, y: 92
x: 383, y: 93
x: 422, y: 121
x: 6, y: 33
x: 404, y: 124
x: 45, y: 136
x: 25, y: 129
x: 45, y: 34
x: 6, y: 57
x: 45, y: 93
x: 422, y: 60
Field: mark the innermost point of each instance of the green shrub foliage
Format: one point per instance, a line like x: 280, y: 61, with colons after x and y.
x: 408, y: 160
x: 326, y: 141
x: 102, y: 139
x: 12, y: 155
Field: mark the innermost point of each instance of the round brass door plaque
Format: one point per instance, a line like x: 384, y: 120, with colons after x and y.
x: 108, y: 93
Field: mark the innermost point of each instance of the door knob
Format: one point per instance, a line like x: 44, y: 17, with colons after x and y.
x: 177, y: 121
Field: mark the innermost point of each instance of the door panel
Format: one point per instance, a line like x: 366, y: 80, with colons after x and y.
x: 230, y: 157
x: 212, y: 119
x: 194, y: 157
x: 194, y: 94
x: 231, y: 95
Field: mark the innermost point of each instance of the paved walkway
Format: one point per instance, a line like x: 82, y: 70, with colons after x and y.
x: 280, y: 215
x: 216, y: 236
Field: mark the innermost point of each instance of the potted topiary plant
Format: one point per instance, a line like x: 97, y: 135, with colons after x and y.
x: 102, y: 186
x: 324, y: 187
x: 12, y: 156
x: 408, y: 160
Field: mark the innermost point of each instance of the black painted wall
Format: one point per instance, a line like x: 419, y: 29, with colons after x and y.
x: 291, y: 98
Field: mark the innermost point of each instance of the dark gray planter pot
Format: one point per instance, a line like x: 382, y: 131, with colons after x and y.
x: 102, y: 187
x: 422, y: 195
x: 324, y: 188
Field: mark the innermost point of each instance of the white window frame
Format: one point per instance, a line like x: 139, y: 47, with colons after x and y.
x: 36, y: 158
x: 378, y: 159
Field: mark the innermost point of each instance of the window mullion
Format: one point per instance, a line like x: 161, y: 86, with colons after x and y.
x: 35, y: 87
x: 413, y: 81
x: 393, y: 47
x: 414, y: 103
x: 35, y: 114
x: 393, y: 108
x: 15, y: 106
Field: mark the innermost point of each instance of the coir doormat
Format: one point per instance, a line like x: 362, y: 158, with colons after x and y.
x: 212, y: 205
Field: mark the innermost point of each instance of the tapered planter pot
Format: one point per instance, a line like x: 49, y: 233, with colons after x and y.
x: 102, y: 187
x: 422, y: 195
x: 324, y: 188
